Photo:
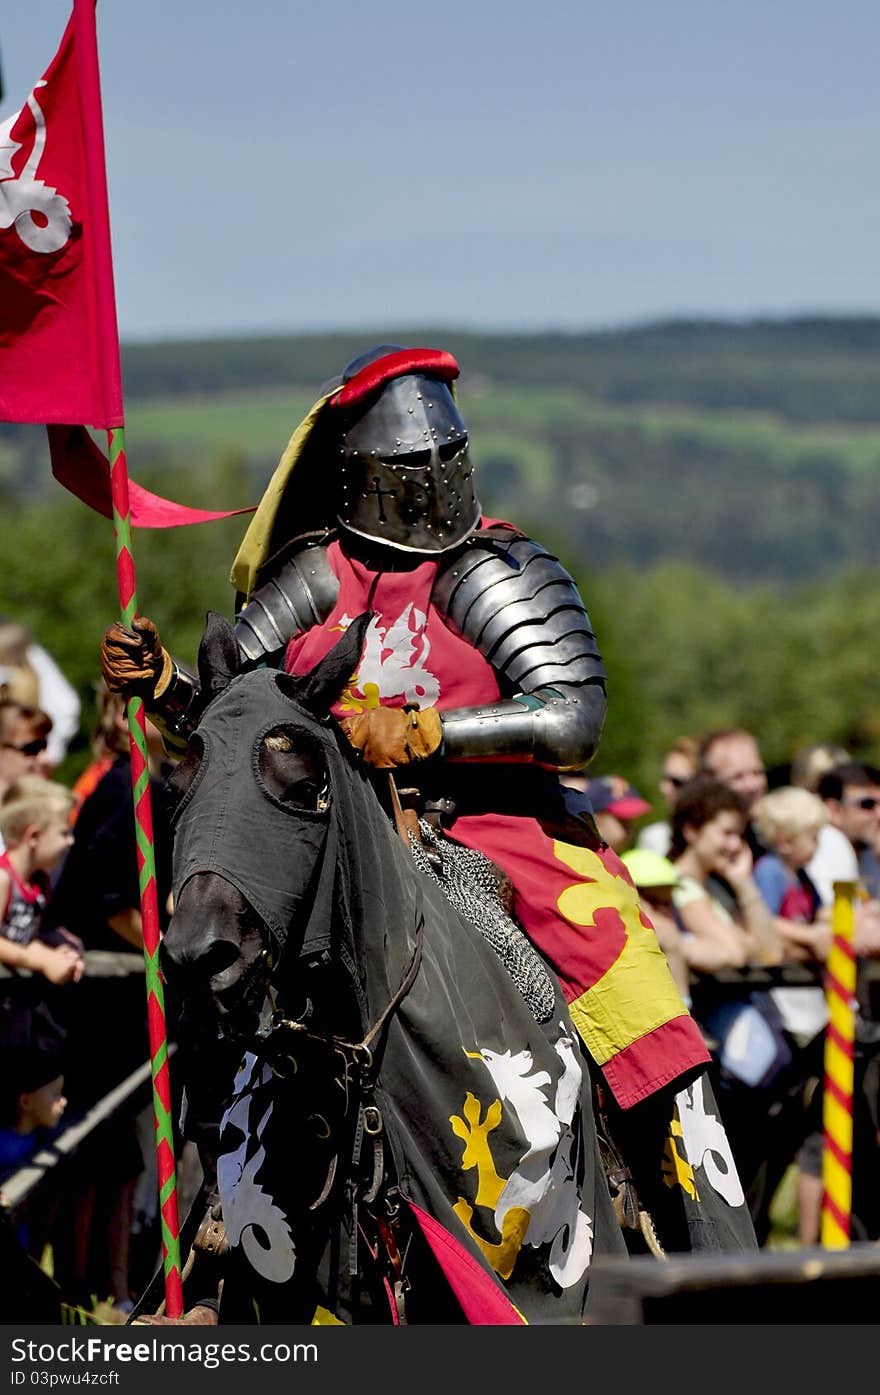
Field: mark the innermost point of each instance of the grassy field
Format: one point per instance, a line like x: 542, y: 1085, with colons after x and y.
x: 256, y: 423
x: 752, y: 495
x: 504, y: 422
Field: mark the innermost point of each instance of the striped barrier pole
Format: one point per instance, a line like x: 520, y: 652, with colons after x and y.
x: 143, y: 815
x: 837, y: 1107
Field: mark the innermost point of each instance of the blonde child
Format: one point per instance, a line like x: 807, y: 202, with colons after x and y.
x: 788, y: 821
x: 35, y: 826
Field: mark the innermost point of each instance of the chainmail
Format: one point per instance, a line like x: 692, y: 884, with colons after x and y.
x: 469, y: 883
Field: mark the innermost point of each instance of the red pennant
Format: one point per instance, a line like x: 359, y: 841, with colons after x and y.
x: 58, y: 364
x: 83, y: 468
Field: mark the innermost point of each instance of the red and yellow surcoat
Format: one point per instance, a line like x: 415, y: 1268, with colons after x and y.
x: 578, y: 906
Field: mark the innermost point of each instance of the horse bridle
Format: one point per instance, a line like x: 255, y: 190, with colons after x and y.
x: 360, y: 1065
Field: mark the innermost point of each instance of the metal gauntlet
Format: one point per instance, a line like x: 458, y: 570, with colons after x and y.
x: 518, y: 606
x: 300, y: 595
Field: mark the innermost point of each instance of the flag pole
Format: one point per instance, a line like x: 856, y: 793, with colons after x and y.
x: 106, y: 340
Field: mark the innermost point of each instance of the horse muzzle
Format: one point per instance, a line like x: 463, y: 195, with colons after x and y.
x: 213, y: 948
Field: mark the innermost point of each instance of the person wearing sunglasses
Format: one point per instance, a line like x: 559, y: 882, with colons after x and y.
x: 24, y: 733
x: 851, y: 794
x: 680, y: 764
x: 29, y: 749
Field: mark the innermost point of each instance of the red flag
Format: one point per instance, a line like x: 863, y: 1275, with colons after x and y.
x: 58, y: 346
x: 82, y: 467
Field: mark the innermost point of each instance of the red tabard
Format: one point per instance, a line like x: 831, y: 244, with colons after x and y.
x: 578, y: 907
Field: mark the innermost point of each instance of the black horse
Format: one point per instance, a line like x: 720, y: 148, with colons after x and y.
x: 409, y: 1134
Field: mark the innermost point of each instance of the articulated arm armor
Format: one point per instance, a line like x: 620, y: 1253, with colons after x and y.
x: 503, y: 593
x: 521, y: 610
x: 300, y: 595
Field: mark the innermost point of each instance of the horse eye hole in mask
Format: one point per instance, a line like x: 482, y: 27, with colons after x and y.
x: 292, y: 769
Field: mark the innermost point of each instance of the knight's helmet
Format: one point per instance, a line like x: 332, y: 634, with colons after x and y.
x: 406, y: 479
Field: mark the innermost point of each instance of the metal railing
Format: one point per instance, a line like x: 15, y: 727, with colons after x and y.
x: 99, y: 963
x: 20, y: 1186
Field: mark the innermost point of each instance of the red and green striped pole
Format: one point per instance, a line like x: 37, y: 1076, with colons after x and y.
x: 143, y: 815
x: 108, y: 373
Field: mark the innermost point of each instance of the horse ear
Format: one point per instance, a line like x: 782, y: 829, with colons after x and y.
x: 219, y: 660
x: 320, y: 687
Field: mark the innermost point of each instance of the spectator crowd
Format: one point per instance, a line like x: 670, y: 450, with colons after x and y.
x: 69, y: 894
x: 737, y: 878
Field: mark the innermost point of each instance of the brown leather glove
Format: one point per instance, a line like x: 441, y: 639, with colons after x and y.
x: 391, y: 736
x: 133, y: 661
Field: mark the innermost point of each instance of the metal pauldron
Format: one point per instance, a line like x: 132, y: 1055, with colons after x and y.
x: 521, y: 610
x: 301, y: 595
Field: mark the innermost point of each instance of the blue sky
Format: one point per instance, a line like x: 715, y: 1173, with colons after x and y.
x: 279, y: 166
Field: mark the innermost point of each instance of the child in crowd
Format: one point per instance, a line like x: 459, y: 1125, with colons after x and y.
x: 655, y: 879
x: 788, y: 821
x: 31, y: 1082
x: 35, y: 826
x: 31, y: 1107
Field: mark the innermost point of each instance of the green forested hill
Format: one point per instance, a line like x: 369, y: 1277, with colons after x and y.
x: 752, y: 449
x: 714, y: 487
x: 802, y: 369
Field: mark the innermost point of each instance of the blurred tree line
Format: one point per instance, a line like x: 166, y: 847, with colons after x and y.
x: 685, y: 650
x: 60, y: 579
x: 687, y: 653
